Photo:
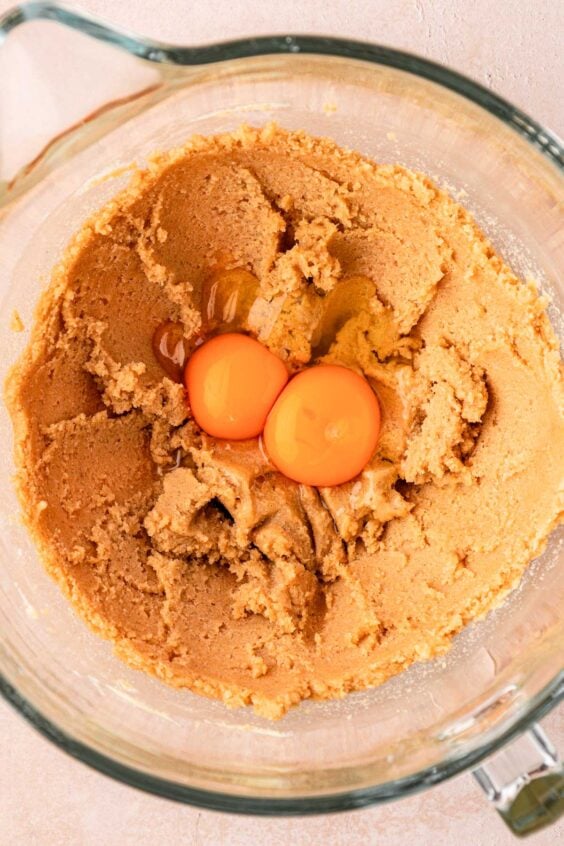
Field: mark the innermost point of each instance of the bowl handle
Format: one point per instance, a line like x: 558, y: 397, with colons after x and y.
x: 525, y: 782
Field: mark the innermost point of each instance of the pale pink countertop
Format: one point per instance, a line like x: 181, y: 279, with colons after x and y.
x: 48, y: 799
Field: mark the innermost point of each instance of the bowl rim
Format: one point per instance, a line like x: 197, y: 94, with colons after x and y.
x: 349, y: 800
x: 158, y: 52
x: 551, y: 147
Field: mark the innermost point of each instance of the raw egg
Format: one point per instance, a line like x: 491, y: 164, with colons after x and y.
x: 324, y: 426
x: 232, y: 382
x: 170, y: 348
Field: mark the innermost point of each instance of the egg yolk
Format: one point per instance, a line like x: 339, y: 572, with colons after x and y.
x: 324, y: 426
x: 232, y: 382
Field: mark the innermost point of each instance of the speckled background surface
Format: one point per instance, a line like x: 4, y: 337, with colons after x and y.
x: 50, y: 800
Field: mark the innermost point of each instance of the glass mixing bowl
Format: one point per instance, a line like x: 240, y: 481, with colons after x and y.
x: 437, y: 718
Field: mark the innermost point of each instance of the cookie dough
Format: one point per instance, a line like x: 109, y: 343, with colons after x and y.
x: 194, y: 556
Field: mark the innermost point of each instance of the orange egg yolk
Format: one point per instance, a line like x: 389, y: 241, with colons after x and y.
x: 324, y: 426
x: 232, y: 382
